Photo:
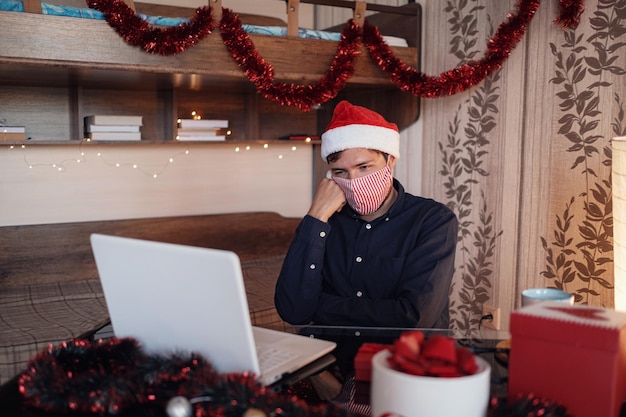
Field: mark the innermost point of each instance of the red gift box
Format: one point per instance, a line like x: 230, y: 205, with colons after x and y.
x: 573, y: 355
x: 363, y: 360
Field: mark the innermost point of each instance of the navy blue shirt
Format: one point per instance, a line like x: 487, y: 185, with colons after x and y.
x: 394, y: 271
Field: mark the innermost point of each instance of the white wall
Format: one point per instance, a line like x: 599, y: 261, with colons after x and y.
x: 45, y: 184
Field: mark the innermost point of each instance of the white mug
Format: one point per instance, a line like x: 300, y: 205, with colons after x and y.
x: 538, y: 295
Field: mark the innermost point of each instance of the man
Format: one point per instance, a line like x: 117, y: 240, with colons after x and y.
x: 385, y: 258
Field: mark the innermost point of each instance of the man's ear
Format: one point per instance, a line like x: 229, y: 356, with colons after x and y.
x: 391, y: 161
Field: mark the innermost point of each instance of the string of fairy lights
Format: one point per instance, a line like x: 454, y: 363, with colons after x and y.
x: 154, y: 170
x: 150, y: 170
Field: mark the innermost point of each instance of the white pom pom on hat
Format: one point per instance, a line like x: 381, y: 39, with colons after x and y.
x: 358, y: 127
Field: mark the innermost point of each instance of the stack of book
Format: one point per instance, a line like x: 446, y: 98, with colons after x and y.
x: 12, y: 133
x: 113, y: 127
x: 202, y: 130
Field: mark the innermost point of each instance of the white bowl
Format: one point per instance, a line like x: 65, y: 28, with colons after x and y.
x: 395, y: 393
x: 537, y: 295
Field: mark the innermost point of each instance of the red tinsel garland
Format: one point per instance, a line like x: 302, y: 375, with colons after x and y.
x: 173, y: 40
x: 458, y: 79
x: 569, y: 15
x: 136, y: 31
x: 261, y: 73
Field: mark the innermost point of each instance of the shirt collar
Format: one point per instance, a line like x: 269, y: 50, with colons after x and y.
x: 399, y: 203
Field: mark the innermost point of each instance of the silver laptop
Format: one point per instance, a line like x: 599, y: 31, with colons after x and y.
x: 175, y: 298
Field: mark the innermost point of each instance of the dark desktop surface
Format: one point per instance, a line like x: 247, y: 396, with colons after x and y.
x: 483, y: 343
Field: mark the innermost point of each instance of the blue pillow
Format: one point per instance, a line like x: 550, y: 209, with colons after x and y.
x: 88, y: 13
x: 11, y: 5
x: 85, y: 13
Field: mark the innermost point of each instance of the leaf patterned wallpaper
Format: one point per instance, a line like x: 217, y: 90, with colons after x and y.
x: 524, y: 158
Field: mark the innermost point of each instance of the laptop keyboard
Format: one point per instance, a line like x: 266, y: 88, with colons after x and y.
x: 270, y: 357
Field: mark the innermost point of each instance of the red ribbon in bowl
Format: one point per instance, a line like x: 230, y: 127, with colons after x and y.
x: 436, y: 355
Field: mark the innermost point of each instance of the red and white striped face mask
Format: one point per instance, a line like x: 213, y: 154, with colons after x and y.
x: 366, y: 194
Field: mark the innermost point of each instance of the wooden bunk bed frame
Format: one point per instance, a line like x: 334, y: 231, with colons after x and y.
x: 102, y: 57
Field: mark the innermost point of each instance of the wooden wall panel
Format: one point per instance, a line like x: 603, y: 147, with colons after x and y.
x: 539, y: 213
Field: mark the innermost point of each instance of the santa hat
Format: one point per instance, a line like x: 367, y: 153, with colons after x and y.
x: 357, y: 127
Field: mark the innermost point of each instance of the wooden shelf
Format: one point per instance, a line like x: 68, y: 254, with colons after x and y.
x: 160, y: 142
x: 56, y: 70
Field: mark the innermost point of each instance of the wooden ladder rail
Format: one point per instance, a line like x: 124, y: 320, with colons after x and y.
x: 293, y: 18
x: 216, y: 5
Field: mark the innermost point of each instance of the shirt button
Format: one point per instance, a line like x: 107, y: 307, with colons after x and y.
x: 312, y: 266
x: 368, y: 226
x: 359, y: 294
x: 322, y: 234
x: 386, y: 219
x: 359, y: 259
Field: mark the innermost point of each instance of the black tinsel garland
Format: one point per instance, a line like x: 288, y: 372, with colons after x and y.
x: 529, y: 405
x: 117, y: 378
